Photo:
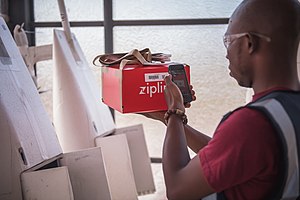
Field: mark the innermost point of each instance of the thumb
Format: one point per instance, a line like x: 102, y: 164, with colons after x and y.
x: 168, y: 79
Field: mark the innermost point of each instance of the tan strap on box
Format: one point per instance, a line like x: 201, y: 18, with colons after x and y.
x: 133, y: 57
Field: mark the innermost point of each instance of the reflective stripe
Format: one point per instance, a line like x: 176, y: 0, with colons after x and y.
x: 283, y: 120
x: 211, y: 197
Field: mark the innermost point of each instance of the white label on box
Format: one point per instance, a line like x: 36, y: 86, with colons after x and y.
x: 154, y: 77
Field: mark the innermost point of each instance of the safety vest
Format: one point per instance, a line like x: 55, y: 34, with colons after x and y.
x: 283, y: 110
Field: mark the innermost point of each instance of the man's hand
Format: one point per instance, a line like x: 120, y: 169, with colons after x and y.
x: 173, y: 95
x: 188, y: 105
x: 159, y: 115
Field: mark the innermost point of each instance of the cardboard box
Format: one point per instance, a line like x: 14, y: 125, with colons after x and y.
x: 135, y: 88
x: 140, y: 160
x: 47, y: 184
x: 27, y: 135
x: 118, y: 166
x: 81, y: 174
x: 119, y: 169
x: 87, y: 173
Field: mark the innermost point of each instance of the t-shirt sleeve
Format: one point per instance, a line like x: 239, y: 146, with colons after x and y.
x: 242, y: 148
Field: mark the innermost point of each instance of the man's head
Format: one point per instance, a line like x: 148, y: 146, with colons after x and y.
x: 265, y: 42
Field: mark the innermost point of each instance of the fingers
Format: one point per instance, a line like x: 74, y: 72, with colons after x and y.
x: 171, y: 87
x: 193, y: 92
x: 187, y: 105
x: 168, y: 79
x: 173, y: 95
x: 194, y: 97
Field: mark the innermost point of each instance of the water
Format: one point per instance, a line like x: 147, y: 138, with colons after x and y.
x: 200, y: 46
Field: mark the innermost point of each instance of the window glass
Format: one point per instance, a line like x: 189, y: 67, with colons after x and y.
x: 91, y: 41
x: 172, y: 9
x: 77, y: 10
x: 202, y: 48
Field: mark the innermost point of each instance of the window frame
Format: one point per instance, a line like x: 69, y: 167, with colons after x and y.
x: 23, y: 12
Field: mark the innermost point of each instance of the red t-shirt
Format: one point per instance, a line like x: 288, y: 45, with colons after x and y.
x: 242, y: 159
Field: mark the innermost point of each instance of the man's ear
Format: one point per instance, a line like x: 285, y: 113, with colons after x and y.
x: 252, y: 43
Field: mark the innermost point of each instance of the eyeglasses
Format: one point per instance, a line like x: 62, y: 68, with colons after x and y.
x: 228, y: 39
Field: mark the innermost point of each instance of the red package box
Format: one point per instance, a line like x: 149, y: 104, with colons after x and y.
x: 136, y: 88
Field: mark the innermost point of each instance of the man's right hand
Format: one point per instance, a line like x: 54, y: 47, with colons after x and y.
x: 159, y: 115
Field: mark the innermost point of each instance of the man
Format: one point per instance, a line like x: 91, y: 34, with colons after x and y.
x: 244, y: 158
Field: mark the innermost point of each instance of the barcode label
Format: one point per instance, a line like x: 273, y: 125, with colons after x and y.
x: 153, y: 77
